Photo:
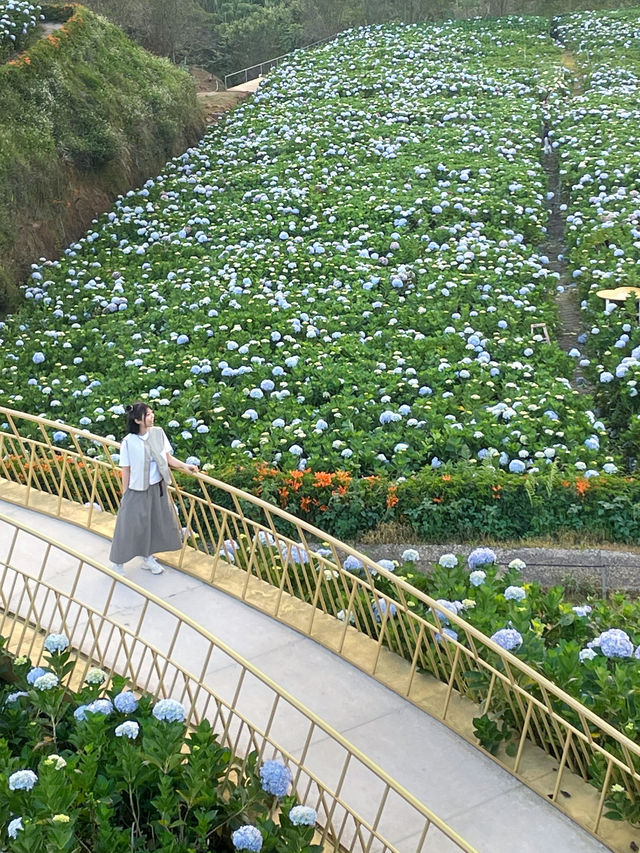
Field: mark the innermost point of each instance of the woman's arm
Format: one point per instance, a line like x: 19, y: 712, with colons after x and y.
x: 176, y: 463
x: 126, y: 472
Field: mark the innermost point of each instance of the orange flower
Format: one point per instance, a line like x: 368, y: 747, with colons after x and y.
x: 305, y: 504
x: 392, y: 497
x: 582, y: 486
x: 496, y: 492
x: 321, y: 478
x: 284, y: 496
x: 446, y: 478
x: 341, y: 490
x: 437, y: 500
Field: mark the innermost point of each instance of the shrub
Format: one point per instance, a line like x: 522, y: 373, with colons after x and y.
x: 103, y: 770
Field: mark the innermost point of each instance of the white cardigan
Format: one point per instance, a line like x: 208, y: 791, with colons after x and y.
x: 146, y: 457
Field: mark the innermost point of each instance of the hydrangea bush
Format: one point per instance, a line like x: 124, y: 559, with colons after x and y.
x: 590, y: 649
x: 18, y: 19
x: 105, y: 770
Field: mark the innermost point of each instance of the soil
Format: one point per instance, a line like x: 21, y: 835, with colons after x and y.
x: 212, y: 94
x: 569, y: 316
x: 205, y: 81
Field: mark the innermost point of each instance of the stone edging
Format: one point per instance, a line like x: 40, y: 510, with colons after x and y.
x: 605, y: 569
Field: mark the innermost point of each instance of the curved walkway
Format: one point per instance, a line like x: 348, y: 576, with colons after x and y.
x: 482, y: 802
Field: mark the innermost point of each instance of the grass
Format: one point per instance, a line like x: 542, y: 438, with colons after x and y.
x: 86, y: 114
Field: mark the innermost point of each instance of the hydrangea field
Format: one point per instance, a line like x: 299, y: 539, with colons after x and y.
x: 346, y: 275
x: 18, y: 18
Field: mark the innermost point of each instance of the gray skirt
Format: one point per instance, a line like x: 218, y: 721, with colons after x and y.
x: 147, y: 523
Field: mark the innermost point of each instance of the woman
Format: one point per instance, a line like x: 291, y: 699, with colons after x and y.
x: 147, y: 521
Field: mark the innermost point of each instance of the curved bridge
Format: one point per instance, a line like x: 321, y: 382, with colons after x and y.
x: 260, y: 554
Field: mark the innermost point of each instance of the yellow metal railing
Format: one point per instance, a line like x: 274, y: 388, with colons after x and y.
x: 378, y: 622
x: 46, y: 587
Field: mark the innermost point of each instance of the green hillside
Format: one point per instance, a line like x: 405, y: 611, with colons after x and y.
x: 86, y: 114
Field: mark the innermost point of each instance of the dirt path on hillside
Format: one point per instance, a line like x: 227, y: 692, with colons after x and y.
x: 567, y: 300
x: 212, y: 94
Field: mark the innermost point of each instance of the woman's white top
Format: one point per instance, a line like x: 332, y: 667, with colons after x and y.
x: 132, y: 456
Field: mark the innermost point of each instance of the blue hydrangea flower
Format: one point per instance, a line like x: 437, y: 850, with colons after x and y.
x: 447, y: 634
x: 352, y: 563
x: 14, y: 827
x: 582, y: 610
x: 515, y: 593
x: 586, y: 654
x: 299, y: 554
x: 448, y: 561
x: 100, y: 706
x: 615, y: 643
x: 129, y: 729
x: 388, y: 565
x: 228, y: 550
x: 56, y: 643
x: 477, y: 578
x: 169, y: 710
x: 247, y: 838
x: 451, y: 606
x: 275, y: 778
x: 125, y: 702
x: 80, y: 713
x: 37, y: 358
x: 481, y: 557
x: 13, y: 697
x: 410, y: 555
x: 34, y: 674
x: 508, y: 638
x: 379, y: 608
x: 303, y: 816
x: 22, y: 780
x: 46, y: 682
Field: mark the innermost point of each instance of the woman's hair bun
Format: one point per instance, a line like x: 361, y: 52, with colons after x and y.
x: 128, y: 409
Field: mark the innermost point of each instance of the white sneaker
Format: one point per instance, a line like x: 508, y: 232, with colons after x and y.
x: 118, y: 567
x: 152, y: 565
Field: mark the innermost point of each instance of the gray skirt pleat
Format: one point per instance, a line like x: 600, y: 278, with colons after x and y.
x: 147, y: 523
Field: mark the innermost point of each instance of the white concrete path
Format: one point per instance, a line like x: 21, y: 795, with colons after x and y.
x: 482, y: 802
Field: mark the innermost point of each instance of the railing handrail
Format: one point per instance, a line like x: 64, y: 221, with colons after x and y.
x: 513, y: 661
x: 302, y: 709
x: 277, y: 59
